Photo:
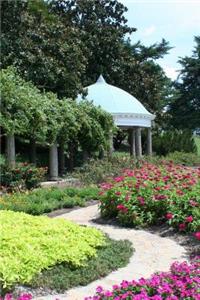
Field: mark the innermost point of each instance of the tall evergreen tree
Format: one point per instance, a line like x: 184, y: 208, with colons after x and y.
x: 185, y: 108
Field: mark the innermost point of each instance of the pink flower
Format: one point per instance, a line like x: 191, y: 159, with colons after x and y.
x: 193, y: 203
x: 189, y: 219
x: 119, y: 178
x: 99, y: 289
x: 197, y: 235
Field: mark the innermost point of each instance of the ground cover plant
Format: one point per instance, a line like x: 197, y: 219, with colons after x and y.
x: 153, y: 194
x: 43, y: 243
x: 114, y: 255
x: 180, y: 283
x: 44, y: 200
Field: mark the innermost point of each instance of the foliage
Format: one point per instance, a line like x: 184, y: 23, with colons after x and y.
x: 26, y: 111
x: 185, y: 108
x: 61, y: 277
x: 96, y: 125
x: 174, y: 140
x: 93, y: 37
x: 21, y: 177
x: 43, y: 243
x: 44, y: 200
x: 45, y: 119
x: 197, y: 142
x: 44, y: 53
x: 188, y: 159
x: 98, y: 170
x: 181, y: 282
x: 102, y: 27
x: 2, y: 161
x: 14, y: 105
x: 154, y: 194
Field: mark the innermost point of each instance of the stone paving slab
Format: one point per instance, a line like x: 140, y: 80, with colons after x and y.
x: 152, y: 253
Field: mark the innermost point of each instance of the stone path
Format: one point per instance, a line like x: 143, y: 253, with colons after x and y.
x: 152, y: 253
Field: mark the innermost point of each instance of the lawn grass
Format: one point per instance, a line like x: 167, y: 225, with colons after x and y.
x: 42, y: 200
x: 114, y: 255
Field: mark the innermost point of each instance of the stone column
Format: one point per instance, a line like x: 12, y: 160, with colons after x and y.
x: 149, y: 141
x: 138, y: 143
x: 132, y: 142
x: 53, y: 162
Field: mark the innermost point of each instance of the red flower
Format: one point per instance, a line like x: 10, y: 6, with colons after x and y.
x: 189, y: 219
x: 182, y: 226
x: 169, y: 216
x: 118, y: 193
x: 197, y: 235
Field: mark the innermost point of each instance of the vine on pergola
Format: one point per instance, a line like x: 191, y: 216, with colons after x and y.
x: 46, y: 120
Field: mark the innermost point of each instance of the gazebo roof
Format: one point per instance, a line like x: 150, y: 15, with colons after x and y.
x: 127, y: 111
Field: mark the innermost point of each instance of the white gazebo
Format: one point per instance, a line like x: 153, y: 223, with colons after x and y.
x: 127, y: 112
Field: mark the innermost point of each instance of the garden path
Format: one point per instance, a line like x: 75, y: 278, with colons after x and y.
x: 152, y: 253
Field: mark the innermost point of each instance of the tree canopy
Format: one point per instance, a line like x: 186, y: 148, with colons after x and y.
x: 185, y: 107
x: 64, y: 45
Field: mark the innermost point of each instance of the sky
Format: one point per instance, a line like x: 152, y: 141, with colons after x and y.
x: 177, y: 21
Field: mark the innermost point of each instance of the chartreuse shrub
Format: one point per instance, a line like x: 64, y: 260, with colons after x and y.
x: 153, y: 194
x: 43, y: 200
x: 31, y: 244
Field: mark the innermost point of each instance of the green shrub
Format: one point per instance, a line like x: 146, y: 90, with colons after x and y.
x: 97, y: 171
x: 43, y: 200
x: 197, y: 142
x: 176, y: 140
x: 31, y: 244
x: 61, y: 277
x: 188, y: 159
x: 22, y: 176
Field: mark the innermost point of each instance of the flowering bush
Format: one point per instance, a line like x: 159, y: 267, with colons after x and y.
x: 22, y: 176
x: 180, y: 283
x: 154, y: 194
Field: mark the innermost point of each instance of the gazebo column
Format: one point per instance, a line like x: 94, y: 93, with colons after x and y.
x: 138, y: 140
x: 132, y: 142
x: 149, y: 141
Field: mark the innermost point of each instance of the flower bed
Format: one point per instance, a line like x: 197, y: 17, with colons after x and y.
x: 154, y: 194
x: 20, y: 297
x: 181, y: 282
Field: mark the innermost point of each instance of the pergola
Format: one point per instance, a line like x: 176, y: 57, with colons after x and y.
x: 128, y: 113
